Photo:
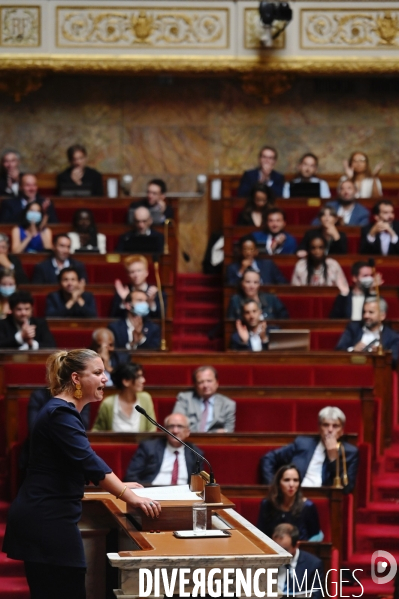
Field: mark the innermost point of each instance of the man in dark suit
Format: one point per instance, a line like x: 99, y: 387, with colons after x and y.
x: 165, y: 461
x: 269, y: 273
x: 381, y: 237
x: 275, y: 239
x: 371, y: 331
x: 305, y: 571
x: 265, y: 173
x: 351, y: 212
x: 10, y: 173
x: 251, y: 333
x: 316, y: 457
x: 350, y: 306
x: 20, y: 330
x: 12, y: 208
x: 136, y: 331
x: 142, y: 239
x: 156, y: 202
x: 47, y: 272
x: 71, y: 300
x: 79, y: 179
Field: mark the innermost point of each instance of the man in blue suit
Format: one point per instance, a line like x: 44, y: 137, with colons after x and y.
x: 12, y: 208
x: 136, y: 331
x: 305, y: 571
x: 351, y: 212
x: 47, y: 272
x: 270, y: 274
x: 265, y: 173
x: 275, y: 239
x: 367, y: 334
x: 316, y: 457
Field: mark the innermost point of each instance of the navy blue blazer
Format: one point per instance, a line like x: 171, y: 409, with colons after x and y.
x: 300, y: 453
x: 354, y: 332
x: 251, y: 178
x: 237, y: 343
x: 8, y: 330
x: 307, y: 564
x: 359, y: 217
x: 147, y: 461
x: 56, y: 306
x: 39, y: 397
x: 12, y: 208
x: 44, y: 272
x: 289, y: 246
x: 375, y: 248
x: 150, y: 330
x: 270, y: 273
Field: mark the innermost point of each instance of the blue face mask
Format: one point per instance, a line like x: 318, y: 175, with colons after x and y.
x: 7, y: 290
x: 33, y: 217
x: 140, y: 309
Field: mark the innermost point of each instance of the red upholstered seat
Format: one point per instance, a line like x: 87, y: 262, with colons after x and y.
x: 235, y: 464
x: 116, y: 455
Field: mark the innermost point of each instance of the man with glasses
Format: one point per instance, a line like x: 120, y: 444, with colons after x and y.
x: 165, y: 461
x: 264, y: 173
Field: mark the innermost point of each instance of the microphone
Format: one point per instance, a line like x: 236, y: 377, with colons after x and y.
x: 201, y: 457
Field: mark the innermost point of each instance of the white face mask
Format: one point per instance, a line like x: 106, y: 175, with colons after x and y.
x: 366, y: 282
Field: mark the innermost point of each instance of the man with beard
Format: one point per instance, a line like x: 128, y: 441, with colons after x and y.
x: 381, y: 237
x: 251, y: 333
x: 365, y: 336
x: 350, y: 212
x: 351, y: 306
x: 306, y: 173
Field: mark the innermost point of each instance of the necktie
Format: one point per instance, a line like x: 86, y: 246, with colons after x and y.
x: 175, y: 469
x: 204, y: 416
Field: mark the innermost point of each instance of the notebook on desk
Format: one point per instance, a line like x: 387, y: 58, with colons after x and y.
x: 289, y: 339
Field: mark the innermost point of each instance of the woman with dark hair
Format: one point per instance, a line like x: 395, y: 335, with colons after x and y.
x: 117, y: 412
x: 42, y: 524
x: 317, y: 269
x: 336, y: 241
x: 248, y: 288
x: 255, y: 210
x: 357, y: 169
x: 78, y: 177
x: 31, y: 236
x: 286, y: 505
x: 84, y: 236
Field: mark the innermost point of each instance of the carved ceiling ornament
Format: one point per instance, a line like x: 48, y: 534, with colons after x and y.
x: 149, y: 27
x: 253, y: 32
x: 20, y: 26
x: 266, y: 86
x: 340, y: 29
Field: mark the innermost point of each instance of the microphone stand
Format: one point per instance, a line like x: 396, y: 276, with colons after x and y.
x: 164, y: 347
x: 212, y: 489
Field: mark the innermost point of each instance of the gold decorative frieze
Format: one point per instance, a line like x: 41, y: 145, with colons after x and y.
x: 253, y: 30
x: 20, y: 26
x: 349, y: 29
x: 142, y: 27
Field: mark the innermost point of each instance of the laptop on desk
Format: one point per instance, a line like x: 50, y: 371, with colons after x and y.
x: 305, y: 190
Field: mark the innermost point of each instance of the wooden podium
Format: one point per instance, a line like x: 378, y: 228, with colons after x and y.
x: 157, y: 547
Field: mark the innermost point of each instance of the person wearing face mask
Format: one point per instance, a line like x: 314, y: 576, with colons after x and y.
x: 270, y: 274
x: 7, y: 288
x: 255, y: 211
x: 307, y: 169
x: 249, y: 288
x: 336, y: 241
x: 135, y: 330
x: 350, y: 212
x: 71, y: 300
x: 382, y: 236
x: 29, y: 236
x: 350, y: 306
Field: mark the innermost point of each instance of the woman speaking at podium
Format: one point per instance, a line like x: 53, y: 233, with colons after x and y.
x: 42, y: 526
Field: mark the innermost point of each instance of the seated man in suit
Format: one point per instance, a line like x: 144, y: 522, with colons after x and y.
x: 264, y: 173
x: 351, y: 212
x: 20, y: 330
x: 306, y: 173
x: 10, y: 173
x: 155, y: 201
x: 135, y: 330
x: 165, y: 461
x: 207, y: 410
x: 274, y: 238
x: 79, y: 179
x: 316, y: 457
x: 142, y: 239
x: 71, y: 300
x: 367, y: 334
x: 270, y: 274
x: 103, y: 342
x: 12, y: 208
x: 381, y: 237
x: 308, y: 569
x: 47, y: 272
x: 350, y: 306
x: 251, y: 333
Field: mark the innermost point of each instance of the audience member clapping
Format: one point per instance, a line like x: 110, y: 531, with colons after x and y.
x: 381, y: 237
x: 255, y: 211
x: 10, y: 262
x: 84, y: 236
x: 270, y: 274
x: 47, y: 272
x: 364, y: 282
x: 357, y: 169
x: 286, y: 504
x: 117, y: 412
x: 103, y: 342
x: 135, y: 330
x: 7, y: 288
x: 10, y: 172
x: 264, y: 173
x: 31, y: 235
x: 22, y: 331
x: 306, y: 173
x: 155, y: 201
x: 79, y: 179
x: 274, y: 238
x: 71, y: 300
x: 142, y: 238
x: 317, y: 269
x: 252, y: 331
x: 249, y: 288
x: 336, y: 241
x: 347, y: 208
x: 12, y: 208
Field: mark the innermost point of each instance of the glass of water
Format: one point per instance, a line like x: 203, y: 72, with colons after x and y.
x: 199, y: 516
